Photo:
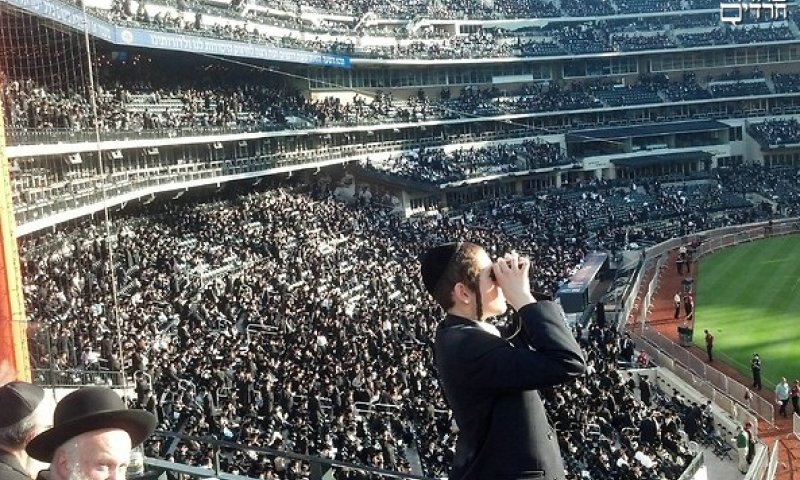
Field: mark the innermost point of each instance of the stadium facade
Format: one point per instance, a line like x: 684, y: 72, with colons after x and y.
x: 692, y: 88
x: 562, y: 95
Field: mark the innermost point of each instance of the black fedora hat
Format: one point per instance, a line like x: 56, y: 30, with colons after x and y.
x: 87, y: 409
x: 17, y: 401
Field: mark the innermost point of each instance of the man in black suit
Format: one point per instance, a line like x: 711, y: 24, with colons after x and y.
x: 644, y: 390
x: 755, y: 367
x: 491, y: 384
x: 648, y: 431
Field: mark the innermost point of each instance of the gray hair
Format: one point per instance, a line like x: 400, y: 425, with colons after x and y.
x: 15, y: 436
x: 71, y: 453
x: 70, y: 450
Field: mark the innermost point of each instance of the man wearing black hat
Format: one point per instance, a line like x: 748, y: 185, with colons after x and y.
x: 92, y: 436
x: 23, y: 414
x: 491, y: 384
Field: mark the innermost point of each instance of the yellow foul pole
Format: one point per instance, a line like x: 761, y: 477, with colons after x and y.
x: 13, y: 323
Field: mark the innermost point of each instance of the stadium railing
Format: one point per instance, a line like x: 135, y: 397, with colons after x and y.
x: 36, y: 212
x: 652, y: 289
x: 696, y: 390
x: 729, y: 394
x: 20, y: 136
x: 760, y: 465
x: 629, y: 298
x: 75, y: 377
x: 697, y: 462
x: 45, y: 372
x: 772, y: 467
x: 319, y: 466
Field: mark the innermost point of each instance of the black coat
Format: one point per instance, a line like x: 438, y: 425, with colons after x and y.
x: 10, y: 468
x: 491, y: 386
x: 648, y: 431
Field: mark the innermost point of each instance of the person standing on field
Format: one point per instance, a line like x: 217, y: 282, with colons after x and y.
x: 677, y: 300
x: 755, y: 367
x: 782, y: 394
x: 688, y: 306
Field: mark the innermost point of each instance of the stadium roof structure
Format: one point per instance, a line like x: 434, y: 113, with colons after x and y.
x: 661, y: 159
x: 693, y: 126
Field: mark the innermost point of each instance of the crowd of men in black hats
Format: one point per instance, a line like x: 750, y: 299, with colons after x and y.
x: 194, y: 18
x: 777, y: 132
x: 215, y: 97
x: 437, y: 166
x: 286, y: 318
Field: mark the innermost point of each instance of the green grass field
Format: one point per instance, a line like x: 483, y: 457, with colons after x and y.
x: 749, y: 298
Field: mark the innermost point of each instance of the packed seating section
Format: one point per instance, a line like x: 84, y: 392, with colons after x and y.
x: 235, y: 308
x: 153, y: 103
x: 390, y: 31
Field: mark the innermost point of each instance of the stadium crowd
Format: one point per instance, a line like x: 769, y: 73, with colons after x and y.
x: 283, y: 317
x: 353, y: 38
x: 776, y: 132
x: 30, y: 106
x: 745, y: 34
x: 786, y: 82
x: 686, y: 89
x: 232, y: 311
x: 225, y: 101
x: 411, y: 10
x: 436, y: 166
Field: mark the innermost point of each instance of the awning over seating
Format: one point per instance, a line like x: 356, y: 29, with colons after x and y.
x: 651, y: 130
x: 662, y: 159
